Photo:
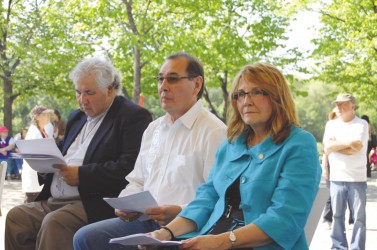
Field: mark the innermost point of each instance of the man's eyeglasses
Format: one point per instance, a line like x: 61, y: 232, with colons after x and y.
x: 172, y: 79
x: 254, y: 93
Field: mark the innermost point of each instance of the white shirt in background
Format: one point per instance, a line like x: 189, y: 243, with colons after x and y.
x: 348, y: 168
x: 29, y: 178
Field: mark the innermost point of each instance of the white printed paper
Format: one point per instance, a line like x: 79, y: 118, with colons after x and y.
x: 143, y: 239
x: 134, y: 203
x: 40, y: 154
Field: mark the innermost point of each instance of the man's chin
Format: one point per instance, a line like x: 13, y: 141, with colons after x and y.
x: 88, y: 113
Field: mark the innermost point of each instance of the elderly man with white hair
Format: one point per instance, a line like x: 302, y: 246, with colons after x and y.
x: 100, y: 147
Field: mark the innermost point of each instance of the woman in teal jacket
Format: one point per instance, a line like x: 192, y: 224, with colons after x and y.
x: 272, y: 164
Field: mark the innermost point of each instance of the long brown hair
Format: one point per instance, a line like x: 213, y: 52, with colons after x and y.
x: 271, y: 80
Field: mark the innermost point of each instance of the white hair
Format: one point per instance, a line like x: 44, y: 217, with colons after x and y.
x: 101, y: 69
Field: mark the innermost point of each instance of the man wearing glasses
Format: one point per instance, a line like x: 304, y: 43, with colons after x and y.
x: 177, y: 152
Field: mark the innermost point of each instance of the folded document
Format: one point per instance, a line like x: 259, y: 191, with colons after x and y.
x: 40, y: 154
x: 138, y: 202
x: 143, y: 239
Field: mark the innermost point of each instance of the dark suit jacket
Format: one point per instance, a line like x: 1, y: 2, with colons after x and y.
x: 110, y: 156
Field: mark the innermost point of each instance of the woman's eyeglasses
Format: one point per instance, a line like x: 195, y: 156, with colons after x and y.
x: 172, y: 79
x: 254, y: 93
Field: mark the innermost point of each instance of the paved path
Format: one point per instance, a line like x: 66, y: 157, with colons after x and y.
x: 321, y: 239
x: 12, y: 196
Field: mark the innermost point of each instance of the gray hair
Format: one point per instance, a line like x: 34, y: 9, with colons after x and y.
x: 101, y: 69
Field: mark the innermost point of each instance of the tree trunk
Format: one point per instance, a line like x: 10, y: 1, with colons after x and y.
x: 211, y: 107
x: 137, y: 75
x: 224, y: 83
x: 8, y: 100
x: 136, y: 50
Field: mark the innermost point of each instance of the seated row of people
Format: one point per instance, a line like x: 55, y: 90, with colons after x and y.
x: 218, y: 187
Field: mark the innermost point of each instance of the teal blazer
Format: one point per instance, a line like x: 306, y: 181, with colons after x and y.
x: 278, y: 184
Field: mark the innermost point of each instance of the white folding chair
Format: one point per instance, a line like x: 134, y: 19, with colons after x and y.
x: 3, y: 169
x: 315, y: 213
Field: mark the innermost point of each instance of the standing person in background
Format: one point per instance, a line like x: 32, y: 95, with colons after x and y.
x: 59, y: 126
x: 19, y: 162
x: 373, y: 159
x: 325, y: 162
x: 345, y: 142
x: 371, y: 143
x: 49, y: 129
x: 40, y: 117
x: 327, y: 212
x: 100, y: 147
x: 6, y: 147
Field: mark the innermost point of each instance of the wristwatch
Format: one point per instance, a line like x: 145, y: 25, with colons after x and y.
x: 232, y: 238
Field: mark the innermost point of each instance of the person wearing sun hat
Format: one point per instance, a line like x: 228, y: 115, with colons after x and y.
x: 345, y: 142
x: 6, y: 147
x: 40, y: 118
x: 345, y: 98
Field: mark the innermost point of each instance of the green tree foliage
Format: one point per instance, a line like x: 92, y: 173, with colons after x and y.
x: 36, y: 49
x: 225, y: 35
x: 46, y: 38
x: 313, y: 109
x: 347, y: 46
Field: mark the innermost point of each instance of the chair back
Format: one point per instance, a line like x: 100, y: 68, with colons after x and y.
x: 3, y: 169
x: 316, y: 212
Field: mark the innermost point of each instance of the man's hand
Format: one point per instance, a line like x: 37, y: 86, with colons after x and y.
x: 342, y: 147
x: 356, y: 145
x: 164, y: 214
x: 325, y: 174
x: 160, y: 234
x: 127, y: 216
x: 207, y: 242
x: 353, y: 147
x: 69, y: 174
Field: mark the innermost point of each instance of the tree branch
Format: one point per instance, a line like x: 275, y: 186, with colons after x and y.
x: 331, y: 16
x: 16, y: 63
x: 211, y: 107
x: 143, y: 64
x: 145, y: 17
x: 131, y: 20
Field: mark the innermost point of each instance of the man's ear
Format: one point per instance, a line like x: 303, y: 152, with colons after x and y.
x: 198, y: 84
x: 110, y: 90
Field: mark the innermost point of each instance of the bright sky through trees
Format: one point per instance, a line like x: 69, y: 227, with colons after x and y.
x: 303, y: 30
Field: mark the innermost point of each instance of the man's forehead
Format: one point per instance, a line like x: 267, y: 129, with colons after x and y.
x: 85, y: 88
x: 341, y: 103
x: 86, y: 84
x: 174, y: 66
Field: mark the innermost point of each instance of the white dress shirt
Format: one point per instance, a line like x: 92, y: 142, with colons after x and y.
x: 175, y: 158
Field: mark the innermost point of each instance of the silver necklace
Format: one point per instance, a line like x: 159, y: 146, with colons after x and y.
x: 89, y: 124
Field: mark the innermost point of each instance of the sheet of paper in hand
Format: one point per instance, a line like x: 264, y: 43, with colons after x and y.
x: 138, y: 202
x: 40, y: 154
x: 143, y: 239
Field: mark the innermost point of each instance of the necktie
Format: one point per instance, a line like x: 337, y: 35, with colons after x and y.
x: 2, y: 144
